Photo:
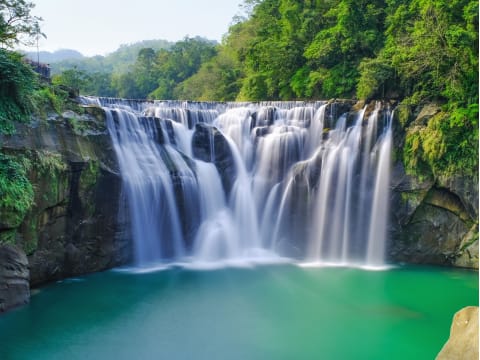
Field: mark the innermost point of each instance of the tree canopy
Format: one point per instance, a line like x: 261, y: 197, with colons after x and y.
x: 17, y: 24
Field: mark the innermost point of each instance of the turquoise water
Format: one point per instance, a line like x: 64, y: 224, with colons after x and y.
x: 270, y: 312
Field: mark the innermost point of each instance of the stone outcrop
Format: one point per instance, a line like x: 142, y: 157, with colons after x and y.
x: 429, y: 223
x: 434, y: 219
x: 463, y: 340
x: 73, y: 227
x: 209, y: 144
x: 14, y: 277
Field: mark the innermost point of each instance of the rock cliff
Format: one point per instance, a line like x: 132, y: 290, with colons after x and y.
x: 73, y: 226
x: 434, y: 217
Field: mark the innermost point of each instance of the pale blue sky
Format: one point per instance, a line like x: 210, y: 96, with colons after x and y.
x: 100, y: 26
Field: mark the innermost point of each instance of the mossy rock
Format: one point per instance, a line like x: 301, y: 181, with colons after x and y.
x: 96, y: 112
x: 426, y: 113
x: 403, y: 115
x: 8, y: 237
x: 10, y: 218
x: 467, y: 255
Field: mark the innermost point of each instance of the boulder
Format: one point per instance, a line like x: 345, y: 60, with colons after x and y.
x: 209, y: 145
x: 463, y: 340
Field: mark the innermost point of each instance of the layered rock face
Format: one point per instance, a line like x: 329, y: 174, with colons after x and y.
x: 14, y: 276
x: 434, y: 219
x: 74, y: 225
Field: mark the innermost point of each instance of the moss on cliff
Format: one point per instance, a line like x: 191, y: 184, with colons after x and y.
x: 88, y: 179
x: 442, y: 143
x: 16, y: 191
x: 29, y: 180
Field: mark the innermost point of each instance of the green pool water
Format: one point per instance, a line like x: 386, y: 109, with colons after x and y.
x: 267, y: 312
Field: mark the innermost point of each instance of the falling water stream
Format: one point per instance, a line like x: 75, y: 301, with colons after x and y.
x: 212, y: 182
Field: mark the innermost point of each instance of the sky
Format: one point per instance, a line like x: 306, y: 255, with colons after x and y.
x: 98, y: 27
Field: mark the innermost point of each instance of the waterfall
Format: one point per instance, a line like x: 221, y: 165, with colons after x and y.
x: 214, y: 182
x: 380, y: 203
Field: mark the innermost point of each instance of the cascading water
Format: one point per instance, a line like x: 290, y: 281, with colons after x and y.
x: 209, y: 182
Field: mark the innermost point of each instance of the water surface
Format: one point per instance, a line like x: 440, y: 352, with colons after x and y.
x: 268, y: 312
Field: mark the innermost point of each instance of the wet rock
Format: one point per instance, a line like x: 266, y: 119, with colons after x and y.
x: 335, y: 109
x: 467, y: 253
x: 264, y: 117
x: 14, y: 277
x: 209, y: 144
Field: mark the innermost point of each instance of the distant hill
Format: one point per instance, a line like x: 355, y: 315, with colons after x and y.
x: 117, y: 61
x: 53, y: 57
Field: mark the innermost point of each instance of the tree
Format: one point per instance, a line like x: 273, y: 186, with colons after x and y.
x: 99, y: 84
x: 216, y: 80
x: 354, y: 31
x: 179, y: 63
x: 17, y: 25
x: 17, y: 84
x: 73, y: 78
x: 144, y: 72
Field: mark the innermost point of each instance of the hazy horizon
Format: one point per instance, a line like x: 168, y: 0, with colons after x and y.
x: 98, y: 28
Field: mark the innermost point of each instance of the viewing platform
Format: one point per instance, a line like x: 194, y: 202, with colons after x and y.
x: 40, y: 68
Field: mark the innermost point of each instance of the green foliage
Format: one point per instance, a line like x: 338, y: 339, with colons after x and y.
x: 99, y: 84
x: 154, y: 73
x: 49, y: 98
x: 272, y: 47
x: 181, y: 61
x: 354, y: 31
x: 16, y: 191
x: 433, y: 45
x: 300, y: 82
x: 117, y: 62
x: 447, y: 145
x: 49, y: 163
x: 339, y: 81
x: 254, y: 88
x: 17, y: 25
x: 17, y: 85
x: 374, y: 78
x: 460, y: 133
x: 217, y: 79
x: 73, y: 78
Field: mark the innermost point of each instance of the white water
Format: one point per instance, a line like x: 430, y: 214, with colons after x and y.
x: 304, y: 185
